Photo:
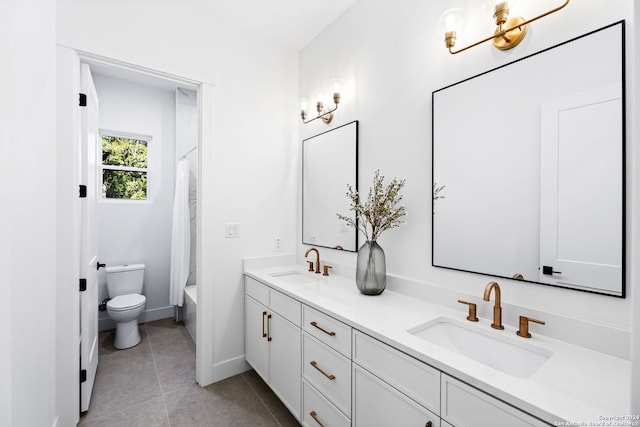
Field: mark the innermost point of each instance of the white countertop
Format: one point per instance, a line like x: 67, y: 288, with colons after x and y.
x: 576, y: 384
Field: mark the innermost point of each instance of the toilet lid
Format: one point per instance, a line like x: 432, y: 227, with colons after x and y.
x: 126, y: 302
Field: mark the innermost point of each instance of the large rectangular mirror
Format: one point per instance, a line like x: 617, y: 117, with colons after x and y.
x: 329, y: 164
x: 531, y: 157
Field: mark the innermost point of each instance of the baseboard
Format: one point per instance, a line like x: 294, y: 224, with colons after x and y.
x: 229, y: 368
x: 106, y: 324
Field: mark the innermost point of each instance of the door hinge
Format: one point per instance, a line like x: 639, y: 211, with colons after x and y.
x: 83, y: 100
x: 83, y: 285
x: 83, y: 375
x: 83, y: 191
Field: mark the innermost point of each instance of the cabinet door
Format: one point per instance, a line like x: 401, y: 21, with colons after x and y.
x: 375, y: 403
x: 463, y: 405
x: 256, y: 346
x: 285, y: 378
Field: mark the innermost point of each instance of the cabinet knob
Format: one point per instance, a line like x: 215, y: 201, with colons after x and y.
x: 428, y: 424
x: 315, y: 418
x: 315, y: 325
x: 315, y: 365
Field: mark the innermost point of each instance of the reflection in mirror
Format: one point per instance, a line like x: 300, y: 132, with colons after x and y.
x: 531, y: 157
x: 329, y: 164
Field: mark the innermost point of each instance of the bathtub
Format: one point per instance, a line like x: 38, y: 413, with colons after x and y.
x: 189, y: 311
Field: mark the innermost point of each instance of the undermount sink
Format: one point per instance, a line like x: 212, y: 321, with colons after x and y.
x: 295, y: 277
x: 503, y: 353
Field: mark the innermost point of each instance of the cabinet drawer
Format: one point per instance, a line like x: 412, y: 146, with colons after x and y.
x: 412, y: 377
x: 327, y: 329
x: 318, y: 411
x: 376, y: 404
x: 256, y: 290
x: 286, y: 306
x: 328, y: 371
x: 463, y: 405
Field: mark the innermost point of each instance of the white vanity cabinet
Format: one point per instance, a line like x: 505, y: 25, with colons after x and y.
x: 329, y: 373
x: 273, y: 341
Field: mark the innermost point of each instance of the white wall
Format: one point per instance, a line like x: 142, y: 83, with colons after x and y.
x: 28, y: 230
x: 390, y: 58
x: 132, y: 232
x: 250, y: 168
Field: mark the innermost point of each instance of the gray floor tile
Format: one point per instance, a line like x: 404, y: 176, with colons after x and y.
x: 189, y: 407
x: 122, y: 382
x: 162, y: 326
x: 237, y: 405
x: 153, y: 384
x: 151, y: 413
x: 276, y: 407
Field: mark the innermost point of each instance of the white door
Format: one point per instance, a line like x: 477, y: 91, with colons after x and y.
x: 580, y: 189
x: 284, y: 364
x: 88, y: 239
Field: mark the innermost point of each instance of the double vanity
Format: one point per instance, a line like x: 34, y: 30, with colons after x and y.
x: 339, y: 358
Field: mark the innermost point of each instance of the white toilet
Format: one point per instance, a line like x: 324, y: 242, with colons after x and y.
x: 124, y: 285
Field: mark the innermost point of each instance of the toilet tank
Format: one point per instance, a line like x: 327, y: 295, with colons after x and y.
x: 124, y: 279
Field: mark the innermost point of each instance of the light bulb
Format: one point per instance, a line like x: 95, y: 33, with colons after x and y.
x: 304, y: 105
x: 320, y: 96
x: 450, y: 24
x: 335, y: 83
x: 451, y: 20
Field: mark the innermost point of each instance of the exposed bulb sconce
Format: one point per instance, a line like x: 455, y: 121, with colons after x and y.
x: 508, y: 34
x: 324, y: 113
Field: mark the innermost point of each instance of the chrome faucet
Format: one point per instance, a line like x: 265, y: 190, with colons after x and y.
x: 311, y: 262
x: 497, y: 309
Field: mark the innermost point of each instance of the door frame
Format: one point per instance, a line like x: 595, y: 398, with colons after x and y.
x: 68, y: 228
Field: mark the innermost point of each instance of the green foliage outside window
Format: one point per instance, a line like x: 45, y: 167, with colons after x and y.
x: 124, y: 168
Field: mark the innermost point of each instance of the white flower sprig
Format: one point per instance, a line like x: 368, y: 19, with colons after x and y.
x: 379, y: 212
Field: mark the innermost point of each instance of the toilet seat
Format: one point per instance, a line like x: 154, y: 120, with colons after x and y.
x: 126, y: 302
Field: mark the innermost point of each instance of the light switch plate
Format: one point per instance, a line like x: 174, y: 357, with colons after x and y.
x: 231, y: 230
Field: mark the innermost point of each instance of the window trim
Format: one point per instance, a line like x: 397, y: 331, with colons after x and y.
x: 102, y: 167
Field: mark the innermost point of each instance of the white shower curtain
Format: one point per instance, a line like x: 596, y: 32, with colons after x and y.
x: 180, y: 236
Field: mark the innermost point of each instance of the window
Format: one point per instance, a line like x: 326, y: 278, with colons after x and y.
x: 124, y: 166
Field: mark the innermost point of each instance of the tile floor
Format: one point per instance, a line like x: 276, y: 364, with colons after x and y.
x: 153, y: 384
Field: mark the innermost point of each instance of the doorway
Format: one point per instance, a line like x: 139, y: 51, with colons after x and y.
x: 138, y: 105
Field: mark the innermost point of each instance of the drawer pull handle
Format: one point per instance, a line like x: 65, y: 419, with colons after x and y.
x: 315, y: 325
x: 315, y: 365
x: 315, y: 418
x: 269, y: 328
x: 264, y: 334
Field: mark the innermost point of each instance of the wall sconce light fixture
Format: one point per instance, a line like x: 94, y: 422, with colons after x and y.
x: 508, y: 34
x: 325, y: 113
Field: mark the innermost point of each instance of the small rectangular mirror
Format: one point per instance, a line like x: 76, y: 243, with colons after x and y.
x: 329, y: 164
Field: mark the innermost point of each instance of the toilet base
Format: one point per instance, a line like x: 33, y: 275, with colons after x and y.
x: 127, y: 334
